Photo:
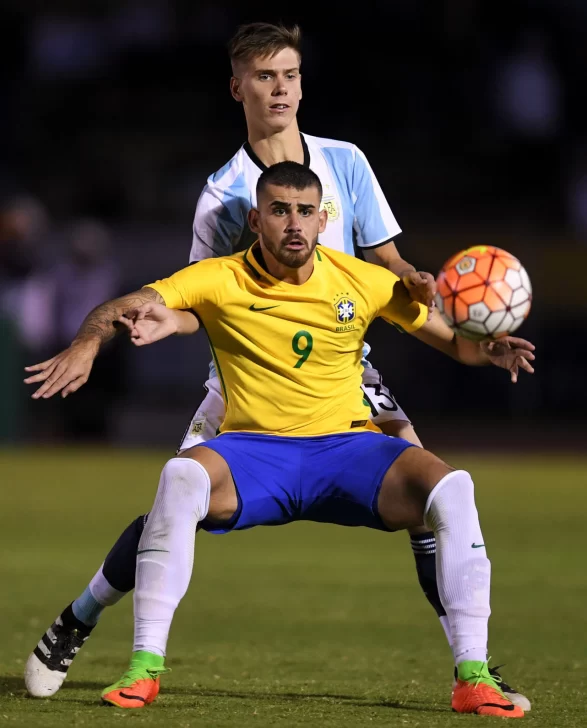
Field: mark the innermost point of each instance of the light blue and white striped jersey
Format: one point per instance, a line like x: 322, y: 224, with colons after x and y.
x: 358, y: 213
x: 357, y: 209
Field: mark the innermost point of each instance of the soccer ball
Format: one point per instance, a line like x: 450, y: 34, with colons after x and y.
x: 483, y: 293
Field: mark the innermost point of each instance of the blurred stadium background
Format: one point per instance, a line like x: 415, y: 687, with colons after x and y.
x: 114, y: 113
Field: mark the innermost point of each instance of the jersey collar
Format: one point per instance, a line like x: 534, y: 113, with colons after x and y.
x: 255, y: 159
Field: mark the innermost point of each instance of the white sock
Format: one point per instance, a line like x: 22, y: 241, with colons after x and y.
x: 463, y: 570
x: 165, y: 556
x: 102, y: 591
x: 445, y: 624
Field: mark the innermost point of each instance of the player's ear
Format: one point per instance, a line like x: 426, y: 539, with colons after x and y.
x: 253, y: 219
x: 235, y: 85
x: 323, y: 217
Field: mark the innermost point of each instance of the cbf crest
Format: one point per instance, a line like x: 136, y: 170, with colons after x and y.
x: 345, y: 310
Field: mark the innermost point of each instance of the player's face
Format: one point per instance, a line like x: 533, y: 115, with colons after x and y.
x: 288, y: 222
x: 270, y: 89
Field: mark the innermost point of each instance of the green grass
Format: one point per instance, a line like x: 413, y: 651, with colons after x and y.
x: 305, y: 625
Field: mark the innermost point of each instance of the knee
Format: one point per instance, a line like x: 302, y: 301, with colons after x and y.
x: 451, y: 494
x: 185, y: 486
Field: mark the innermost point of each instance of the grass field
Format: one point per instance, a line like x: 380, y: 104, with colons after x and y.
x: 305, y: 625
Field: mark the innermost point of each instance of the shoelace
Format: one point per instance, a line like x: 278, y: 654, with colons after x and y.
x: 73, y: 639
x: 484, y: 675
x: 137, y: 672
x: 65, y: 643
x: 494, y: 672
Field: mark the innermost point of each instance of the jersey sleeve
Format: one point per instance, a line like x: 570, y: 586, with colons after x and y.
x: 218, y: 223
x: 374, y: 222
x: 189, y: 287
x: 393, y: 302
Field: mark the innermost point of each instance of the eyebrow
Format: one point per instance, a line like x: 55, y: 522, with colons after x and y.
x: 276, y: 70
x: 300, y: 205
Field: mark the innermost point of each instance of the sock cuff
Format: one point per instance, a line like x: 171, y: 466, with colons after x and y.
x: 103, y: 591
x: 423, y: 544
x: 439, y: 486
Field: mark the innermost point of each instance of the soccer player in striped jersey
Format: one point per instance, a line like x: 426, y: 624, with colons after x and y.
x: 267, y: 81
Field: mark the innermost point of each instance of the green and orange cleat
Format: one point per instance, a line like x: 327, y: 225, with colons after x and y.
x: 139, y: 686
x: 477, y: 691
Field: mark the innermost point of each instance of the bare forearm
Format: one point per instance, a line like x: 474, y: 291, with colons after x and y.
x: 437, y: 334
x: 99, y: 325
x: 469, y: 352
x: 186, y: 322
x: 399, y: 266
x: 387, y: 257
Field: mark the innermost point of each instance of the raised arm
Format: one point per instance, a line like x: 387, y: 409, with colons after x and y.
x: 376, y: 227
x: 70, y: 369
x: 420, y: 284
x: 508, y: 352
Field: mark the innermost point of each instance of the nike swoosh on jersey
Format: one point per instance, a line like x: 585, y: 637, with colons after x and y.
x: 252, y: 307
x: 477, y: 545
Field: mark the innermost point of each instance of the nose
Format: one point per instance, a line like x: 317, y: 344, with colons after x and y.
x: 280, y: 88
x: 294, y: 223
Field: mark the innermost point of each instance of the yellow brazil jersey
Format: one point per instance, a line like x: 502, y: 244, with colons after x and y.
x: 289, y: 356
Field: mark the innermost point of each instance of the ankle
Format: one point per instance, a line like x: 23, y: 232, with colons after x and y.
x: 146, y: 659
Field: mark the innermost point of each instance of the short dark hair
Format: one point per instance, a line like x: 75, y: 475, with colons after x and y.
x: 289, y: 174
x: 262, y: 40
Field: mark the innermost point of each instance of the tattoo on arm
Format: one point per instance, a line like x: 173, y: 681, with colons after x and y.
x: 99, y: 323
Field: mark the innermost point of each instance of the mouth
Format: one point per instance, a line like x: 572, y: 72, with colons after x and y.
x: 295, y: 244
x: 278, y: 108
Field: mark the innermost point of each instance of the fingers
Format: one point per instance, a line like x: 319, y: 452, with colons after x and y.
x: 54, y: 384
x: 143, y: 311
x: 521, y: 362
x: 41, y: 366
x: 518, y: 343
x: 41, y: 376
x: 60, y: 377
x: 126, y: 320
x: 525, y: 364
x: 74, y: 386
x: 427, y: 289
x: 524, y: 355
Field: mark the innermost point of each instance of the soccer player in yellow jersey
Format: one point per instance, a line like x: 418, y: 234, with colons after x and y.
x: 286, y: 322
x: 266, y: 82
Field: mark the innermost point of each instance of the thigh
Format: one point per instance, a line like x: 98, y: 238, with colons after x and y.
x: 207, y: 418
x: 384, y: 406
x: 265, y: 472
x: 342, y: 476
x: 406, y: 486
x: 223, y: 498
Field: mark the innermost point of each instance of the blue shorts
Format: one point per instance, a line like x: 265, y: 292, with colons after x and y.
x: 330, y: 479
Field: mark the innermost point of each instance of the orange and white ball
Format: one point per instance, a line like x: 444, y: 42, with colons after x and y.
x: 483, y: 293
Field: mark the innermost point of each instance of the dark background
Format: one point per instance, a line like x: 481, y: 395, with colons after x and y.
x: 471, y: 113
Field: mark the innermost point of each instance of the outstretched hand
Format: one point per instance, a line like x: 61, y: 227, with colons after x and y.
x: 511, y: 353
x: 65, y: 373
x: 149, y: 323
